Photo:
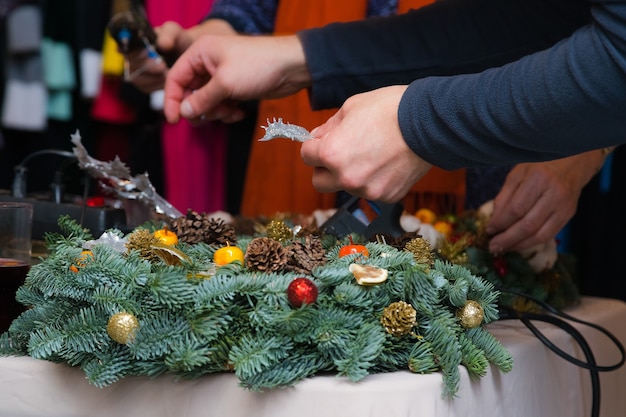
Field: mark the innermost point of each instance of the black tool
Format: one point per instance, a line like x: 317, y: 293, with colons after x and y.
x: 132, y: 31
x: 367, y: 218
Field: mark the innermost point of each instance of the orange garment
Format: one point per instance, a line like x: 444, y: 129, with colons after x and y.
x: 277, y: 181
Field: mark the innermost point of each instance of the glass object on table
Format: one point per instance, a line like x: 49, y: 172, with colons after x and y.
x: 15, y: 256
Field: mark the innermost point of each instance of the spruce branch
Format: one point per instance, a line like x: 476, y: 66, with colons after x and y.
x: 255, y: 354
x: 492, y: 348
x: 364, y: 349
x: 288, y: 372
x: 473, y: 358
x: 187, y: 354
x: 441, y: 332
x: 108, y: 367
x: 421, y: 358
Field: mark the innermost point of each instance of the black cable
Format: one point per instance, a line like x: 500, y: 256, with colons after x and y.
x: 19, y: 181
x: 590, y: 365
x: 557, y: 320
x: 559, y: 313
x: 59, y: 152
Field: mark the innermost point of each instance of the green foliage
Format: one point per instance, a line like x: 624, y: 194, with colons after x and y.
x: 556, y: 286
x: 241, y: 321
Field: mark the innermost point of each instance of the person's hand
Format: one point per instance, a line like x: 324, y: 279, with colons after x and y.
x: 172, y: 40
x: 361, y: 149
x: 538, y: 199
x: 146, y: 72
x: 217, y: 72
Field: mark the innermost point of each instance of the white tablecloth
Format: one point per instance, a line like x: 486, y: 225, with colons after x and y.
x: 541, y: 384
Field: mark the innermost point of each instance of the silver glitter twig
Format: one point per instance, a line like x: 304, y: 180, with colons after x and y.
x: 115, y: 177
x: 278, y: 129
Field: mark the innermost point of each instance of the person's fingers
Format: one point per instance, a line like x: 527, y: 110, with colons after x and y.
x: 534, y: 227
x: 167, y: 34
x: 184, y: 77
x: 511, y: 204
x: 551, y: 226
x: 548, y: 215
x: 311, y: 150
x: 206, y: 101
x: 310, y: 153
x: 324, y: 181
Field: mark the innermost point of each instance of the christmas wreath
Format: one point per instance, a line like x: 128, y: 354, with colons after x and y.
x: 195, y: 297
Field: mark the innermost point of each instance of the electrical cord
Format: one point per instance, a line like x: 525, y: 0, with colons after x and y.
x: 557, y: 318
x: 19, y: 181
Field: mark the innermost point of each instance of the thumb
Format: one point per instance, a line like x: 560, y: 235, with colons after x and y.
x: 167, y: 35
x: 203, y: 100
x: 324, y: 128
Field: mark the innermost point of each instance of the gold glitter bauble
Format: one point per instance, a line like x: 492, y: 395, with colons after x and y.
x: 122, y: 327
x: 471, y: 314
x: 399, y: 318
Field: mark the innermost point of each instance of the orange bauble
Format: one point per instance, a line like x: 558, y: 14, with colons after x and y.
x: 352, y: 249
x: 166, y: 236
x: 227, y: 255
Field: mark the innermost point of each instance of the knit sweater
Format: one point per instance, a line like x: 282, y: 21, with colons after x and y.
x: 491, y: 81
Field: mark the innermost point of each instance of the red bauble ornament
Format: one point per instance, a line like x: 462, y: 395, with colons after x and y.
x: 301, y: 291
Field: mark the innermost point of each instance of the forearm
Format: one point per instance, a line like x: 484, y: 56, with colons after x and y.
x: 448, y: 37
x: 211, y: 27
x: 554, y: 103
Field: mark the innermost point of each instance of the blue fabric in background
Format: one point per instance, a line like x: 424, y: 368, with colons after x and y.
x: 605, y: 174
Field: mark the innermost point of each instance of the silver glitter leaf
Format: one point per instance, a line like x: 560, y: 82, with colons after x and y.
x: 278, y: 129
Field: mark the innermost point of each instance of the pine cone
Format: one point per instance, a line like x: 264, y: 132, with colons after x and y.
x: 310, y: 230
x: 399, y: 318
x: 304, y: 256
x: 220, y: 232
x: 401, y: 241
x: 142, y: 240
x: 195, y: 228
x: 245, y: 225
x: 265, y: 255
x: 421, y: 251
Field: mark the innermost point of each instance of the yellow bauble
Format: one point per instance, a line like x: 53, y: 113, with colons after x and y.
x: 471, y: 314
x: 166, y: 236
x: 122, y: 327
x: 228, y: 254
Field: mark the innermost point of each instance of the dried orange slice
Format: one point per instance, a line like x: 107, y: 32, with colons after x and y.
x: 368, y: 274
x: 169, y: 254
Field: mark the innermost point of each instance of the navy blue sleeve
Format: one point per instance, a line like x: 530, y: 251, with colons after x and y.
x: 447, y: 37
x: 493, y: 82
x: 561, y: 101
x: 252, y: 17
